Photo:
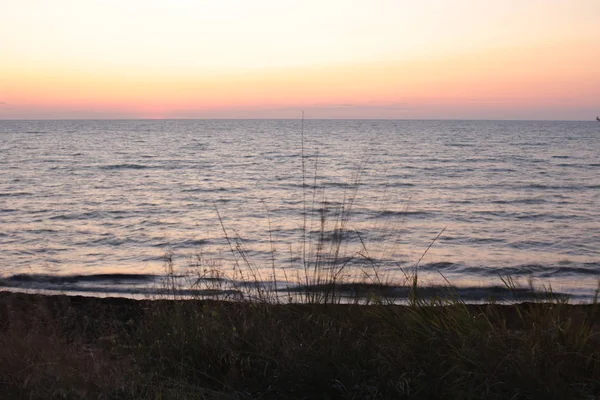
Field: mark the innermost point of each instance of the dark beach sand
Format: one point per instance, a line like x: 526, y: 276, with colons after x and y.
x: 13, y: 305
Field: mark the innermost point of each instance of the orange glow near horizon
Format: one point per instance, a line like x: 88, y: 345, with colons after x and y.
x: 542, y: 77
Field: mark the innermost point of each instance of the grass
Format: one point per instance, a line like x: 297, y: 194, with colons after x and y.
x: 74, y: 347
x: 336, y: 335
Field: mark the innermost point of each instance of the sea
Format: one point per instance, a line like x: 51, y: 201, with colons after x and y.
x: 143, y: 208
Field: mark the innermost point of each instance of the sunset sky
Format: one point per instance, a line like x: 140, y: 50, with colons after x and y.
x: 407, y: 59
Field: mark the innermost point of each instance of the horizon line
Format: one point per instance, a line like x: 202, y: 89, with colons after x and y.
x: 298, y: 118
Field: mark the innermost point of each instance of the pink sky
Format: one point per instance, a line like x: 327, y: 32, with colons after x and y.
x: 377, y: 59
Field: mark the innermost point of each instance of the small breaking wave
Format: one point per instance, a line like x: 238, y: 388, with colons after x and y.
x: 533, y: 270
x: 128, y: 285
x: 58, y: 279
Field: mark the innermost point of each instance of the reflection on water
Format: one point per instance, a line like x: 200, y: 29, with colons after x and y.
x: 82, y: 198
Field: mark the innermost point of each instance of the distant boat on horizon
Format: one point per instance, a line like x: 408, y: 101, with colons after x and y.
x: 598, y: 119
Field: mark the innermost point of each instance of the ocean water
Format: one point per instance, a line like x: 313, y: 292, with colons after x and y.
x: 96, y: 207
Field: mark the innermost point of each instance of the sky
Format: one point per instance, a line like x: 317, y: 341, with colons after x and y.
x: 404, y: 59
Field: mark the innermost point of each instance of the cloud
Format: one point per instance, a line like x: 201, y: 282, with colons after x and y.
x: 3, y: 103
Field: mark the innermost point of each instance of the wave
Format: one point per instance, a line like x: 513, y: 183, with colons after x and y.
x: 124, y: 166
x: 470, y: 240
x: 558, y: 187
x: 404, y: 292
x: 117, y: 284
x: 534, y: 270
x: 69, y: 217
x: 520, y: 201
x: 569, y: 271
x: 400, y: 214
x: 241, y: 290
x: 192, y: 243
x: 460, y: 145
x: 207, y: 190
x: 59, y: 279
x: 15, y: 194
x: 41, y: 230
x: 524, y: 216
x: 440, y: 266
x: 150, y: 292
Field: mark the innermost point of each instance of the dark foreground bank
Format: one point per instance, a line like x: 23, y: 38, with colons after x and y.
x: 79, y: 347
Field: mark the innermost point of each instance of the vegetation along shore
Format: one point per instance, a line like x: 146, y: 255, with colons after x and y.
x: 84, y: 347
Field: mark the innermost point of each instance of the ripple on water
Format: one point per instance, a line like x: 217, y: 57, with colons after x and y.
x: 508, y: 193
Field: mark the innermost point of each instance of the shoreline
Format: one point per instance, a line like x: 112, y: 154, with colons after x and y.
x: 358, y: 292
x: 12, y: 300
